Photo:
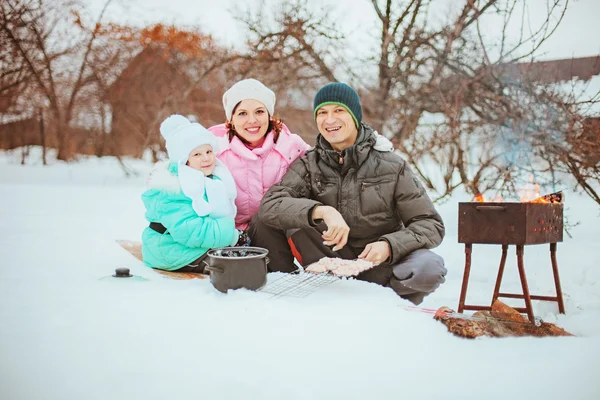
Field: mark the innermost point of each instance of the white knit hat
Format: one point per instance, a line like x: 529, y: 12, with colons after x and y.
x: 248, y: 89
x: 183, y: 136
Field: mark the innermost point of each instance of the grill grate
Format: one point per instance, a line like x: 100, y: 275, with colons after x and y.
x: 297, y: 285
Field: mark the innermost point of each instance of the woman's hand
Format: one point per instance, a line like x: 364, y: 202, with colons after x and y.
x: 337, y: 229
x: 376, y: 252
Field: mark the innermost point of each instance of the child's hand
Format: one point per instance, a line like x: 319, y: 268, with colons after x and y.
x: 244, y: 239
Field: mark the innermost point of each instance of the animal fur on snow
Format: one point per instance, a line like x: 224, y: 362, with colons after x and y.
x: 501, y: 321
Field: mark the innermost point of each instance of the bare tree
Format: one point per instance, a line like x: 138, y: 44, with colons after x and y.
x: 170, y: 70
x: 293, y: 51
x: 14, y: 73
x: 441, y: 92
x: 56, y: 59
x: 564, y: 137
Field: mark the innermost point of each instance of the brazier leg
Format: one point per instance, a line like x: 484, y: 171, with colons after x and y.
x: 500, y: 274
x: 526, y: 295
x: 465, y: 281
x: 559, y: 295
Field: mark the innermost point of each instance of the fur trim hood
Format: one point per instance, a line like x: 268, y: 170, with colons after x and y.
x: 164, y: 177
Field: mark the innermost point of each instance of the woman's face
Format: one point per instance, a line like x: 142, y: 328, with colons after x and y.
x: 203, y: 159
x: 250, y: 121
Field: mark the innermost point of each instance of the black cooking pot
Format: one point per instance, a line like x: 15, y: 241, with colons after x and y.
x: 237, y: 267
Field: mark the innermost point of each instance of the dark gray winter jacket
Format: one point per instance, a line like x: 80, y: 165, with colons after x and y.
x: 376, y: 193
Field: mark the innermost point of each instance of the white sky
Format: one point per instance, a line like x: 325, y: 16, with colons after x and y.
x: 577, y: 36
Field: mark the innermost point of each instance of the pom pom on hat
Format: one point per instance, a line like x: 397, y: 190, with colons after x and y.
x: 183, y: 136
x: 172, y: 124
x: 248, y: 89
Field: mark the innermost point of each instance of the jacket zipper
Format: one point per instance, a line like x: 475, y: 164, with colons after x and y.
x: 339, y: 207
x: 365, y: 184
x: 339, y: 204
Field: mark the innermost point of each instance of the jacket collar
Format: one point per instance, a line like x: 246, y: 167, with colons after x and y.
x: 283, y: 147
x: 239, y: 148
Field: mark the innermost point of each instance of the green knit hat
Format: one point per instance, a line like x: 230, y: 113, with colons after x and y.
x: 341, y: 94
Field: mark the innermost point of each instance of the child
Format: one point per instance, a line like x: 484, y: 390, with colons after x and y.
x: 190, y: 200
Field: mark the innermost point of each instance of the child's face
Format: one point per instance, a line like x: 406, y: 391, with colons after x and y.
x: 203, y: 159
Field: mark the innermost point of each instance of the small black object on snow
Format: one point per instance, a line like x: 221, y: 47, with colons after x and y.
x: 122, y: 273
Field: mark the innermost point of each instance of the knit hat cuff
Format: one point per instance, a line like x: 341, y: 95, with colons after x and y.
x: 326, y: 103
x: 245, y: 90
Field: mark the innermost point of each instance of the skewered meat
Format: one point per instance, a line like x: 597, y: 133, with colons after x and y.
x: 339, y: 266
x: 317, y: 268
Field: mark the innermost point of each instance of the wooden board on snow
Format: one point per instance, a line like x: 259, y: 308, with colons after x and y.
x: 135, y: 249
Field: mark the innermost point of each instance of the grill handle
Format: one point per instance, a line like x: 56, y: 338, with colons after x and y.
x: 490, y: 208
x: 210, y: 268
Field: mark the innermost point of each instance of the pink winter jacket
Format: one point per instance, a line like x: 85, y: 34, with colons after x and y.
x: 256, y: 170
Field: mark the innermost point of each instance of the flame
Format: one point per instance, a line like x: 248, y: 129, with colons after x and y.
x: 531, y: 193
x: 539, y: 200
x: 481, y: 198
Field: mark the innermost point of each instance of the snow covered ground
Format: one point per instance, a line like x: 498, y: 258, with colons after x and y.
x: 67, y: 334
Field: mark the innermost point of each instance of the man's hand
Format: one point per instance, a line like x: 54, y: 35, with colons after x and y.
x: 337, y: 229
x: 376, y: 252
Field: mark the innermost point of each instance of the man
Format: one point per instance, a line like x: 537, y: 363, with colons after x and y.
x: 346, y: 199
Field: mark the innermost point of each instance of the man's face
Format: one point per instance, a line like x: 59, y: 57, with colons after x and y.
x: 203, y: 159
x: 337, y: 126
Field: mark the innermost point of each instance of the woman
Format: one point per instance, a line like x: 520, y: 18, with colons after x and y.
x: 257, y: 147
